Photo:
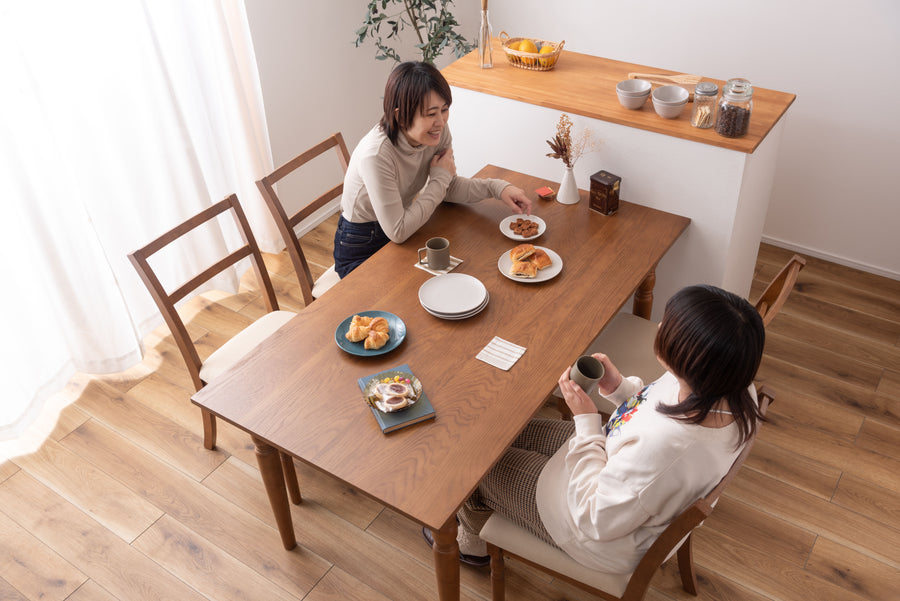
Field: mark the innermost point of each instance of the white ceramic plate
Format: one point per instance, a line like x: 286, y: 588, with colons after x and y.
x: 548, y: 273
x: 504, y: 227
x: 471, y: 313
x: 452, y: 294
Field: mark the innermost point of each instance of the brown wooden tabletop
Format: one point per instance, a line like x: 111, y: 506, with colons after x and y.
x: 298, y: 390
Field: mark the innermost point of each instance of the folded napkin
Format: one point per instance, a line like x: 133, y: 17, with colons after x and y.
x: 501, y: 353
x: 454, y: 261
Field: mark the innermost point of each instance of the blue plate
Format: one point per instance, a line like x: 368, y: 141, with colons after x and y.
x: 397, y: 332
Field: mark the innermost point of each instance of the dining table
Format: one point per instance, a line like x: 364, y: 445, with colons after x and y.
x: 297, y: 392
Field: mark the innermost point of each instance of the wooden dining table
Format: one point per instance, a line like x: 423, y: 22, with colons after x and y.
x: 297, y: 392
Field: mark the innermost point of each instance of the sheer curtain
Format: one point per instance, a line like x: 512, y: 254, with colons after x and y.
x: 118, y: 119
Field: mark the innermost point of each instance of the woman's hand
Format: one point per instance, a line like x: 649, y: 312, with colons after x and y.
x: 578, y: 401
x: 444, y: 160
x: 515, y: 199
x: 611, y: 377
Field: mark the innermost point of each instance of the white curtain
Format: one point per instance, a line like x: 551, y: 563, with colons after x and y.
x: 118, y: 120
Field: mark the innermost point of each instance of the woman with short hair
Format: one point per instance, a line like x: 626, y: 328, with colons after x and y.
x: 403, y: 169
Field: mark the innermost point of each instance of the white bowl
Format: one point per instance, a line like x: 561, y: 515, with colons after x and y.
x: 633, y: 102
x: 668, y: 111
x: 633, y: 87
x: 671, y: 95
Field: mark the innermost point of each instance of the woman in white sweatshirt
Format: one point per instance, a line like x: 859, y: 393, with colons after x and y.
x: 403, y: 169
x: 603, y: 492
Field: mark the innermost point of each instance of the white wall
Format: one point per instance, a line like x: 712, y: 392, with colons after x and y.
x: 833, y: 196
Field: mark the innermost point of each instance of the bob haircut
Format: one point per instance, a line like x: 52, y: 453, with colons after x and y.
x: 405, y: 93
x: 713, y: 340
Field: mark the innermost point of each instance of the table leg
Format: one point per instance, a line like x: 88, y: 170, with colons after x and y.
x: 643, y: 297
x: 269, y: 462
x: 446, y: 561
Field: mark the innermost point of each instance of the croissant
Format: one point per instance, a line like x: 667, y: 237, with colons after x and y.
x: 375, y: 340
x: 359, y: 328
x: 379, y: 324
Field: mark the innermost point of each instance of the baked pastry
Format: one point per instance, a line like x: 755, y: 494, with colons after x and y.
x: 540, y: 259
x: 395, y: 403
x: 521, y: 252
x: 375, y: 340
x: 379, y: 324
x: 523, y: 269
x: 359, y: 328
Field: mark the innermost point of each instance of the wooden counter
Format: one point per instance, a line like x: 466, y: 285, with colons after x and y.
x: 586, y: 85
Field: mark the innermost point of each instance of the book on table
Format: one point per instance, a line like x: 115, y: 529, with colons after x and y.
x: 419, y: 411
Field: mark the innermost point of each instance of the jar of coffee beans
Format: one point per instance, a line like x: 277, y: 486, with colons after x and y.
x: 704, y: 112
x: 735, y: 107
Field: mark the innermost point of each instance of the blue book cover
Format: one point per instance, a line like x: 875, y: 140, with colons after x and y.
x: 418, y: 412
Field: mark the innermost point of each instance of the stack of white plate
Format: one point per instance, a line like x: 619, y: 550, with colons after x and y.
x: 453, y: 296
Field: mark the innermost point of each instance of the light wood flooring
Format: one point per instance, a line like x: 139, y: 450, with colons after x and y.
x: 122, y: 502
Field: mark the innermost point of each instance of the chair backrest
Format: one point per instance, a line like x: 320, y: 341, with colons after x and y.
x: 166, y: 300
x: 682, y: 526
x: 778, y: 290
x: 286, y: 223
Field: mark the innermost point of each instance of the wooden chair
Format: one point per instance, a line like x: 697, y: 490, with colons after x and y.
x: 628, y: 339
x: 286, y: 223
x: 204, y: 371
x: 505, y: 539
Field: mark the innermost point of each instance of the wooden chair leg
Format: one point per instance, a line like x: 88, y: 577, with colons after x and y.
x: 209, y: 429
x: 290, y: 478
x: 686, y: 566
x: 498, y: 579
x: 563, y: 409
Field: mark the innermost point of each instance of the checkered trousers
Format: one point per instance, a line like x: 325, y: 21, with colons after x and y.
x: 511, y: 485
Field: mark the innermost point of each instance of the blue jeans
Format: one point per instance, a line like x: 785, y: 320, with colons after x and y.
x: 354, y: 243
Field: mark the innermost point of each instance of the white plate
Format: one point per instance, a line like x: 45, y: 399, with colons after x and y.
x: 504, y: 227
x: 452, y: 294
x: 471, y: 313
x: 504, y: 263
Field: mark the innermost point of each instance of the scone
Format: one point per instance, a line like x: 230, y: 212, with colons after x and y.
x: 523, y: 269
x: 521, y: 252
x: 540, y: 259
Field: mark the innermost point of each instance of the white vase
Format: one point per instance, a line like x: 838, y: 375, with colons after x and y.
x: 568, y: 189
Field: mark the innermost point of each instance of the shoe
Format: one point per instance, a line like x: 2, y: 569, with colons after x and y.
x: 470, y: 560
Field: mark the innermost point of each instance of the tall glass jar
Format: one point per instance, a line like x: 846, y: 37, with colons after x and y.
x: 485, y: 55
x: 735, y: 107
x: 704, y: 112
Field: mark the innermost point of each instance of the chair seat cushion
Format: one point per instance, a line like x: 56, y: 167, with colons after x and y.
x: 325, y: 281
x: 232, y: 351
x: 502, y: 533
x: 628, y: 340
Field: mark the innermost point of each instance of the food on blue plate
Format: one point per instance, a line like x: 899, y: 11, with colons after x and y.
x: 373, y: 332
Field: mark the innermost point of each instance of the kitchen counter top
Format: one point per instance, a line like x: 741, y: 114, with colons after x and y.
x: 586, y: 85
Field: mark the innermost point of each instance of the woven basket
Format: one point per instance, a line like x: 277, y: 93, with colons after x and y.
x: 532, y: 61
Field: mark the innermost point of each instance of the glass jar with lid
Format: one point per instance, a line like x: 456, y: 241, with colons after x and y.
x: 704, y: 112
x: 735, y: 106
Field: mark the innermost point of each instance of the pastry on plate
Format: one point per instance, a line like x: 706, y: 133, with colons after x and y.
x: 540, y: 259
x: 521, y: 252
x: 359, y: 328
x: 523, y: 269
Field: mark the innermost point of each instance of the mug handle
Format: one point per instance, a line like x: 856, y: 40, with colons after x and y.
x: 421, y: 260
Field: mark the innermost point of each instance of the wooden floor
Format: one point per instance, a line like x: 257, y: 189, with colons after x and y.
x: 123, y: 502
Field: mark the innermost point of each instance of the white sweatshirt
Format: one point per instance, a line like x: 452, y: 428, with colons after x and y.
x: 396, y: 186
x: 608, y: 493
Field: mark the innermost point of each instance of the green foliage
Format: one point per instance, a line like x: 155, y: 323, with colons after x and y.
x: 431, y: 20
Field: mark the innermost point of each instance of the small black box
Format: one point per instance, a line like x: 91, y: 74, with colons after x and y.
x: 605, y: 192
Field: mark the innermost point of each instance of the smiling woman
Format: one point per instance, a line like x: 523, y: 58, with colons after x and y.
x: 404, y: 168
x: 120, y: 119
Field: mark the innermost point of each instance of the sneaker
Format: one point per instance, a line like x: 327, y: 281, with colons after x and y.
x: 478, y: 561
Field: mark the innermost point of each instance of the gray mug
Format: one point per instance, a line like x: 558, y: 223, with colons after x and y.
x: 437, y: 254
x: 586, y: 372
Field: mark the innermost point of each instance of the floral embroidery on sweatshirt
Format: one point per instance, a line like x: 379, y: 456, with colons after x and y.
x: 626, y: 411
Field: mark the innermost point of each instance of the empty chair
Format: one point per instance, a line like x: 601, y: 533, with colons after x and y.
x: 628, y: 339
x: 204, y: 371
x: 505, y: 539
x: 286, y: 223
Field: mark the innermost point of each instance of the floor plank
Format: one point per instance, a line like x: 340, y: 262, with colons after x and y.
x: 853, y: 571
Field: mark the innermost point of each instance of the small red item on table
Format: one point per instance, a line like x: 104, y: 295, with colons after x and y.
x: 546, y: 193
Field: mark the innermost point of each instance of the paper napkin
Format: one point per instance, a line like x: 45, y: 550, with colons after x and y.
x: 454, y: 261
x: 501, y: 353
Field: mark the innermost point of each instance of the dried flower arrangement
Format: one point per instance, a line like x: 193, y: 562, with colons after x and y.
x: 570, y: 148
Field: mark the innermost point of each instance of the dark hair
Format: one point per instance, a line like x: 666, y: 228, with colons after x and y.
x: 405, y: 93
x: 713, y: 340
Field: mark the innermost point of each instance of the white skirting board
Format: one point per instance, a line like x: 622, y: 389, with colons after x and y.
x: 820, y: 254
